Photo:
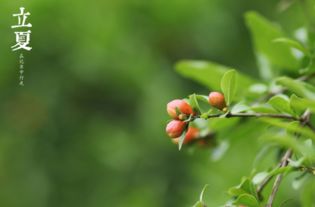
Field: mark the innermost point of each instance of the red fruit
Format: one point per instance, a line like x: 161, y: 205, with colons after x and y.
x: 182, y: 107
x: 175, y: 128
x: 217, y: 100
x: 191, y: 134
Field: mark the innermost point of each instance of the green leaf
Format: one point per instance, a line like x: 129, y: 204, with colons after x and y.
x: 292, y: 127
x: 300, y: 104
x: 296, y: 104
x: 222, y: 124
x: 292, y: 43
x: 263, y: 32
x: 290, y: 142
x: 298, y: 87
x: 307, y: 193
x: 298, y: 183
x: 284, y: 140
x: 194, y: 103
x: 203, y: 103
x: 228, y: 85
x: 261, y: 155
x: 281, y: 170
x: 208, y: 74
x: 220, y: 150
x: 239, y: 108
x: 263, y: 108
x: 259, y: 177
x: 281, y: 103
x: 181, y: 139
x: 247, y: 200
x: 202, y: 98
x: 202, y: 192
x: 199, y: 204
x: 246, y: 186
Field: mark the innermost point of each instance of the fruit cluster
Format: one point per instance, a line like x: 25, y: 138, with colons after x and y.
x: 180, y: 111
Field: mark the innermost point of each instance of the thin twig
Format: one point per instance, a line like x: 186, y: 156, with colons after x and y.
x: 284, y: 161
x: 275, y: 188
x: 258, y: 115
x: 282, y: 116
x: 264, y: 183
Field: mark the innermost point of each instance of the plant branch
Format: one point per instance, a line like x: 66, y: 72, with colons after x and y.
x: 304, y: 120
x: 265, y: 182
x: 275, y: 188
x: 285, y: 161
x: 258, y: 115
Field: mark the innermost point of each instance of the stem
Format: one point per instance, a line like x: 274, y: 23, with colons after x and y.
x: 275, y: 188
x: 304, y: 120
x: 284, y: 161
x: 282, y: 116
x: 265, y: 182
x: 258, y: 115
x: 306, y: 77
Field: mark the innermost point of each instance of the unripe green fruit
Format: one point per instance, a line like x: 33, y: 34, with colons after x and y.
x: 217, y: 100
x: 175, y: 128
x: 179, y: 109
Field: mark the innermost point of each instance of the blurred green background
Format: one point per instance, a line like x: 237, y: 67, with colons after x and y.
x: 87, y: 129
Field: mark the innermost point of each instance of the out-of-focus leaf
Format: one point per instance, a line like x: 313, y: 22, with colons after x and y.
x: 239, y: 108
x: 222, y: 124
x: 292, y: 43
x: 259, y: 177
x: 298, y: 183
x: 263, y: 108
x: 300, y: 104
x: 298, y: 87
x: 297, y: 163
x: 219, y: 151
x: 258, y: 88
x: 281, y: 103
x: 296, y: 104
x: 199, y: 204
x: 262, y: 154
x: 228, y: 85
x: 307, y: 193
x: 289, y: 141
x: 246, y: 186
x: 263, y: 32
x: 247, y: 200
x: 209, y: 73
x: 281, y: 170
x: 292, y: 127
